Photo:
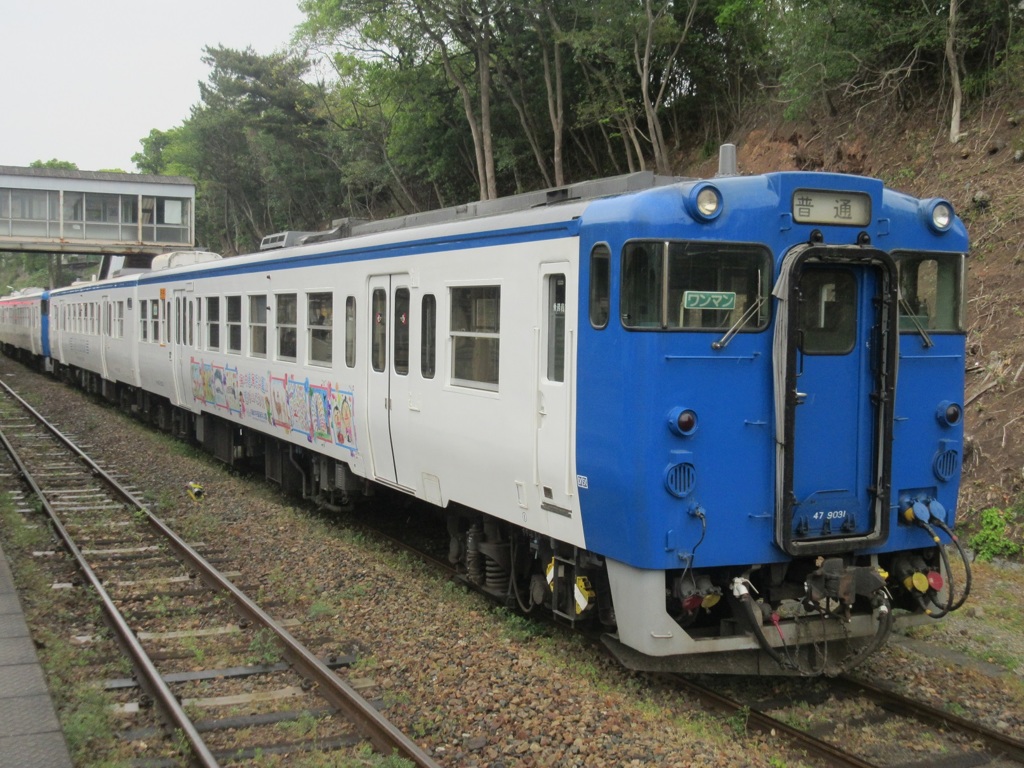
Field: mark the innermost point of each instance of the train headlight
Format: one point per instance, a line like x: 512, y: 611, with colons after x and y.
x: 938, y: 214
x: 682, y: 421
x: 704, y: 202
x: 949, y: 414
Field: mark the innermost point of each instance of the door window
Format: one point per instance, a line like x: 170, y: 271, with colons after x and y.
x: 379, y: 343
x: 556, y: 328
x: 428, y: 336
x: 828, y: 311
x: 402, y: 331
x: 350, y: 331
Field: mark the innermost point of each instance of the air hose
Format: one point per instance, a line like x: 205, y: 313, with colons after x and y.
x: 963, y: 557
x: 741, y: 592
x: 926, y: 517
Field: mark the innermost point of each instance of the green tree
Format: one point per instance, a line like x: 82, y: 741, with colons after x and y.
x: 156, y: 156
x: 55, y: 164
x: 837, y: 52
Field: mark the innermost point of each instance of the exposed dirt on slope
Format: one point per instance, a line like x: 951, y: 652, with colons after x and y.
x: 983, y: 176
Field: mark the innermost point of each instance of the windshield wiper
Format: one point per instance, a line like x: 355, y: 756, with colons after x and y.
x: 752, y: 310
x: 917, y: 323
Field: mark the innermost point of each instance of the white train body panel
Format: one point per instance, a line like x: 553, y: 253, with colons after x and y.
x: 424, y: 435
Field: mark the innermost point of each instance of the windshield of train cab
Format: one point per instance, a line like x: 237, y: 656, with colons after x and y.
x: 931, y: 291
x: 695, y: 286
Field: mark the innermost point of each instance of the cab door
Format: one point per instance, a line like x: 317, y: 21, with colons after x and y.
x: 836, y: 459
x: 554, y: 450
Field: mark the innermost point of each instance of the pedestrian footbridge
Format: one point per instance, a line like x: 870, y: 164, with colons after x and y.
x: 57, y: 211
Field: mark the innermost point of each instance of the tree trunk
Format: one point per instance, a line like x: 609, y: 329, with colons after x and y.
x: 662, y: 161
x: 484, y: 65
x: 954, y: 72
x: 556, y: 100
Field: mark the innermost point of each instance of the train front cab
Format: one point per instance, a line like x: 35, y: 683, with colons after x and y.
x: 796, y: 464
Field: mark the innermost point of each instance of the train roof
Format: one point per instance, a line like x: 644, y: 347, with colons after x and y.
x: 23, y: 293
x: 578, y: 192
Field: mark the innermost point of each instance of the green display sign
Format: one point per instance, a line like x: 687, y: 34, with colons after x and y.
x: 709, y: 300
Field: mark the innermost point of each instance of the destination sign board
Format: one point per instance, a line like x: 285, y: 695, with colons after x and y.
x: 820, y: 206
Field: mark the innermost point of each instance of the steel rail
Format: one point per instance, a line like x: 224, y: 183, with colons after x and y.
x: 996, y: 742
x: 832, y: 755
x: 152, y: 681
x: 374, y: 726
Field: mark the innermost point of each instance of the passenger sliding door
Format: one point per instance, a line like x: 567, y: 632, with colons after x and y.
x: 182, y: 341
x: 388, y: 384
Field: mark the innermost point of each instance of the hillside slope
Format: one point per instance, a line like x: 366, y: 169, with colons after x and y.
x: 983, y: 176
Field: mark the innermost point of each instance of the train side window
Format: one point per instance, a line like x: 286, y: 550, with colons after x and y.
x: 119, y: 319
x: 379, y: 334
x: 600, y: 285
x: 642, y: 278
x: 258, y: 325
x: 475, y: 340
x: 931, y: 291
x: 695, y: 286
x: 234, y: 323
x: 320, y: 320
x: 213, y: 323
x: 144, y: 320
x: 191, y: 323
x: 285, y: 318
x: 402, y: 331
x: 350, y: 331
x: 428, y: 336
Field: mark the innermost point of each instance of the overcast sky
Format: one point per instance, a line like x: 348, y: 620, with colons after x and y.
x: 86, y: 81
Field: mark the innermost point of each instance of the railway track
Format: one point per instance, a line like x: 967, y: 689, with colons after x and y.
x: 847, y: 721
x: 191, y: 633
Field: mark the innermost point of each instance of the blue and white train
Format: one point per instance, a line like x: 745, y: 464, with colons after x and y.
x: 721, y: 419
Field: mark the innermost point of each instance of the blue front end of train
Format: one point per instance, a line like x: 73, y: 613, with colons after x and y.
x: 769, y: 405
